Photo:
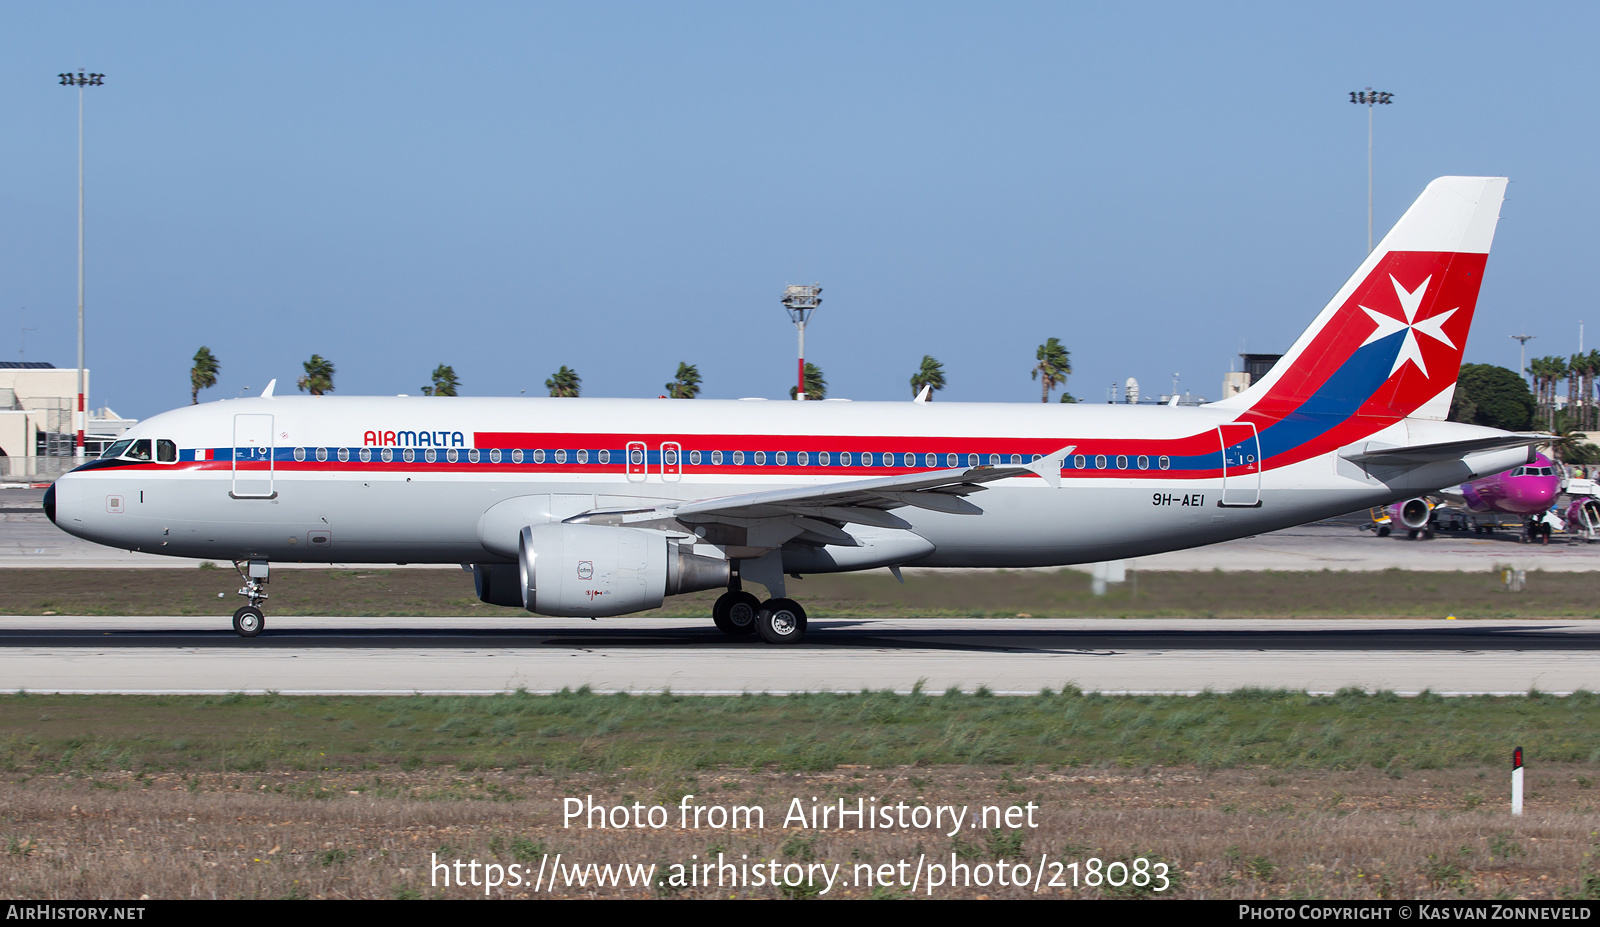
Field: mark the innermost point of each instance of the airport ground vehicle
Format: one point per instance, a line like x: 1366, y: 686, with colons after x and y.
x: 603, y: 507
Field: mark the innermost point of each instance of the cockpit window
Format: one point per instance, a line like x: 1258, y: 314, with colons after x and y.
x: 116, y: 449
x: 139, y: 451
x: 166, y: 451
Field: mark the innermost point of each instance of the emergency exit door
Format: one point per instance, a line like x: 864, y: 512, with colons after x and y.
x: 1241, y: 464
x: 252, y: 456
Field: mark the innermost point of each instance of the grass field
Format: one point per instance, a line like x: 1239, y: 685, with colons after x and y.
x: 1061, y: 593
x: 1245, y: 795
x: 585, y: 732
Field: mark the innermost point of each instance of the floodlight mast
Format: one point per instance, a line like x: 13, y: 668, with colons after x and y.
x: 1522, y: 352
x: 1369, y: 98
x: 800, y: 301
x: 81, y: 80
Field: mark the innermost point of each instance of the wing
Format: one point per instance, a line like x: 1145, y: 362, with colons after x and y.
x: 768, y: 519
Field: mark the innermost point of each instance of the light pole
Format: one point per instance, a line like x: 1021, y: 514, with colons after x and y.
x: 1522, y: 353
x: 81, y: 80
x: 800, y: 302
x: 1369, y: 98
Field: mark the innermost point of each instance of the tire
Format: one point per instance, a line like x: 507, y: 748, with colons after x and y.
x: 735, y: 613
x: 248, y: 621
x: 1383, y: 531
x: 781, y: 621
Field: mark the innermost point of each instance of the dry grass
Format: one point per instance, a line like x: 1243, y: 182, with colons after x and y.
x: 1063, y: 593
x: 1229, y: 834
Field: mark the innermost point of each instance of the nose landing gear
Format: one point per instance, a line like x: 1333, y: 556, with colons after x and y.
x: 249, y: 620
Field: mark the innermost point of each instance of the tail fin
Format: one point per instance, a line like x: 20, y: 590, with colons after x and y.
x: 1388, y: 346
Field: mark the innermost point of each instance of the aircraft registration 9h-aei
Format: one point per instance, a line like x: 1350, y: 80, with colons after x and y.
x: 601, y: 507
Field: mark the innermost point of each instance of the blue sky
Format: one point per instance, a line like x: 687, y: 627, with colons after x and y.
x: 619, y: 187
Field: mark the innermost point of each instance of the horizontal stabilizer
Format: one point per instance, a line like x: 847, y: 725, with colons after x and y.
x: 1419, y: 454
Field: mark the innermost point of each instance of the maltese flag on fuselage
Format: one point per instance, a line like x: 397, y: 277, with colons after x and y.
x: 1388, y: 346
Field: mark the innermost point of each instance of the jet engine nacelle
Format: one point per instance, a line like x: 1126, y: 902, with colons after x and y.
x: 1412, y: 513
x: 591, y: 571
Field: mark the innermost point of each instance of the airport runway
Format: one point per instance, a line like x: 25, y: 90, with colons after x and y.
x: 1010, y: 656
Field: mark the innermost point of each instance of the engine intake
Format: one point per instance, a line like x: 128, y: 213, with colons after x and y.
x: 1412, y: 513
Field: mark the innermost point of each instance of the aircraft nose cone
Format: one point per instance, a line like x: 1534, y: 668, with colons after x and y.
x: 50, y: 503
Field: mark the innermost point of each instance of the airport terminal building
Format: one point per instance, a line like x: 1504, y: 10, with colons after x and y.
x: 36, y: 427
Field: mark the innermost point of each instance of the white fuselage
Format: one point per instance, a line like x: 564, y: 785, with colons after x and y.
x: 262, y: 479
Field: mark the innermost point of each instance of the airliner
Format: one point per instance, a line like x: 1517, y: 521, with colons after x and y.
x: 1529, y: 490
x: 604, y: 507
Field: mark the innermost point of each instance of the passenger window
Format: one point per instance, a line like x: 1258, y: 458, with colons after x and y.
x: 783, y: 458
x: 761, y: 458
x: 166, y: 451
x: 1144, y: 462
x: 344, y: 453
x: 1166, y: 462
x: 605, y: 456
x: 738, y: 458
x: 299, y: 453
x: 716, y: 458
x: 322, y: 453
x: 583, y: 456
x: 1122, y: 462
x: 538, y: 455
x: 1078, y: 461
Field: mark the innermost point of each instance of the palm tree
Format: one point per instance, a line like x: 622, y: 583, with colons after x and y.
x: 203, y: 375
x: 445, y: 382
x: 931, y: 375
x: 687, y: 383
x: 319, y: 376
x: 816, y: 386
x: 1591, y: 367
x: 1547, y: 372
x: 564, y: 383
x: 1055, y: 365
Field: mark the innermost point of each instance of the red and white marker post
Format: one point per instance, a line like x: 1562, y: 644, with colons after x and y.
x: 1516, y: 781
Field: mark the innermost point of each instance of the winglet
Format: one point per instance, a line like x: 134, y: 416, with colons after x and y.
x: 927, y: 392
x: 267, y: 393
x: 1049, y: 466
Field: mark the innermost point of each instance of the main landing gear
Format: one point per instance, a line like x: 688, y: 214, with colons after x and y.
x: 776, y: 621
x: 249, y: 620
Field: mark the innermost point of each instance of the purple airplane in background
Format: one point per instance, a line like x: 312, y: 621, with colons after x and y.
x: 1528, y: 491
